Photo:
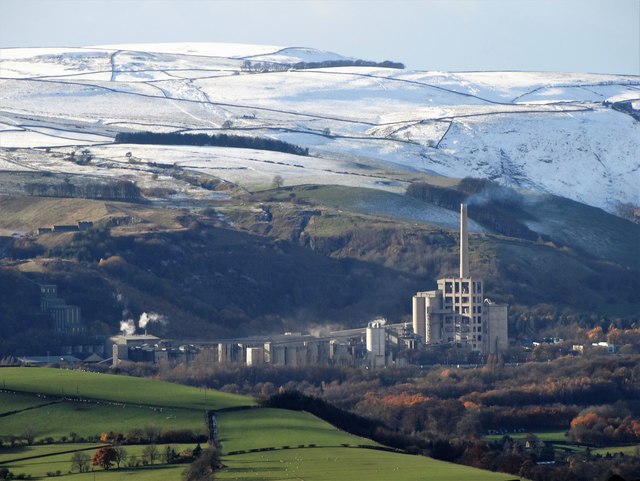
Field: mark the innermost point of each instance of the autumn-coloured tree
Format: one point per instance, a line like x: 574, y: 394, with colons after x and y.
x: 606, y: 425
x: 104, y: 457
x: 112, y: 437
x: 595, y: 334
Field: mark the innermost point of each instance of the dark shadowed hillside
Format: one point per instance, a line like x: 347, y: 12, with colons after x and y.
x: 293, y: 258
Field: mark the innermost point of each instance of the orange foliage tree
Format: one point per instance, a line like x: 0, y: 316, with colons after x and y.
x: 104, y: 457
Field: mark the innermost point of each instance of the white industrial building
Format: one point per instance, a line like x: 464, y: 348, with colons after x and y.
x: 457, y: 312
x: 376, y: 343
x: 372, y: 346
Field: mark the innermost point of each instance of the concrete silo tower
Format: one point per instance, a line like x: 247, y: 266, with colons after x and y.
x: 456, y: 312
x: 376, y: 343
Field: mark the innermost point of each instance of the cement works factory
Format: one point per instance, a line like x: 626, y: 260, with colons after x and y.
x: 455, y: 314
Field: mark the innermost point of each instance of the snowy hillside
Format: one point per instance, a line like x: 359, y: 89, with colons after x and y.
x: 364, y: 126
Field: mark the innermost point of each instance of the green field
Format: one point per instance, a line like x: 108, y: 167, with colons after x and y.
x: 633, y: 450
x: 9, y: 454
x: 331, y: 464
x: 39, y: 467
x: 91, y: 419
x: 263, y: 428
x: 300, y: 445
x: 560, y: 442
x: 546, y: 436
x: 10, y: 401
x: 123, y: 389
x: 317, y: 464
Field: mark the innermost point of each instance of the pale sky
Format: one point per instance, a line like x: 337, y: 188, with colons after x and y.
x: 548, y: 35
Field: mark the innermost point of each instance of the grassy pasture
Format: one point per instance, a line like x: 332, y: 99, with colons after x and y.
x: 633, y: 450
x: 354, y: 464
x: 90, y: 419
x: 38, y: 467
x: 310, y: 464
x: 171, y: 472
x: 109, y: 387
x: 239, y: 430
x: 8, y: 454
x: 14, y: 402
x: 560, y: 442
x: 266, y: 427
x: 546, y: 436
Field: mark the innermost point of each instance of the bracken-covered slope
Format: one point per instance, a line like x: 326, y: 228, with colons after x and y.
x: 569, y: 134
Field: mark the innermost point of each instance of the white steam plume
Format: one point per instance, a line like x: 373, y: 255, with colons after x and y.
x: 128, y: 327
x: 146, y: 318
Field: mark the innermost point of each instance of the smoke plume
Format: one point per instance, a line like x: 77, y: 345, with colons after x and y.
x: 146, y: 318
x: 128, y: 327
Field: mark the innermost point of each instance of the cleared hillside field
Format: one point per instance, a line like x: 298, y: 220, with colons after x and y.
x: 92, y: 419
x: 354, y: 464
x: 266, y: 428
x: 285, y: 444
x: 121, y: 389
x: 40, y: 466
x: 9, y: 454
x: 10, y: 401
x: 310, y: 464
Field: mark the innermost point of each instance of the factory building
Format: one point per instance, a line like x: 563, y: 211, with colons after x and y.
x: 373, y: 346
x: 138, y: 348
x: 67, y: 318
x: 376, y: 343
x: 457, y: 312
x: 148, y: 348
x: 230, y: 352
x: 255, y: 356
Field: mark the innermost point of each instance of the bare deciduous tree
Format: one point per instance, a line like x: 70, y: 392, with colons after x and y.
x: 80, y: 462
x: 278, y: 181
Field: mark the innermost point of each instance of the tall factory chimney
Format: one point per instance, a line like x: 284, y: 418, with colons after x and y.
x: 464, y: 256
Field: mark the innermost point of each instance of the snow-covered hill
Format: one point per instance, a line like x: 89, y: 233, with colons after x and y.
x: 364, y: 126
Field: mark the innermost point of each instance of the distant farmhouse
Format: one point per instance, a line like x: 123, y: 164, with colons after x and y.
x: 61, y: 228
x: 457, y: 312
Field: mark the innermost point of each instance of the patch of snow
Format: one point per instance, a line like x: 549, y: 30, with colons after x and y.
x: 44, y: 139
x: 543, y: 131
x: 410, y: 209
x: 30, y: 52
x: 293, y: 55
x: 204, y: 49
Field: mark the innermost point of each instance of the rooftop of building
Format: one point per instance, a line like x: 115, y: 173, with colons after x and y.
x: 135, y: 337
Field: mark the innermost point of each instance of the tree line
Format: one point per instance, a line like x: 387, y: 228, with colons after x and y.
x: 249, y: 66
x: 217, y: 140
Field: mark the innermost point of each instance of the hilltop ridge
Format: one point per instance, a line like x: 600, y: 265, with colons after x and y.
x: 557, y: 133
